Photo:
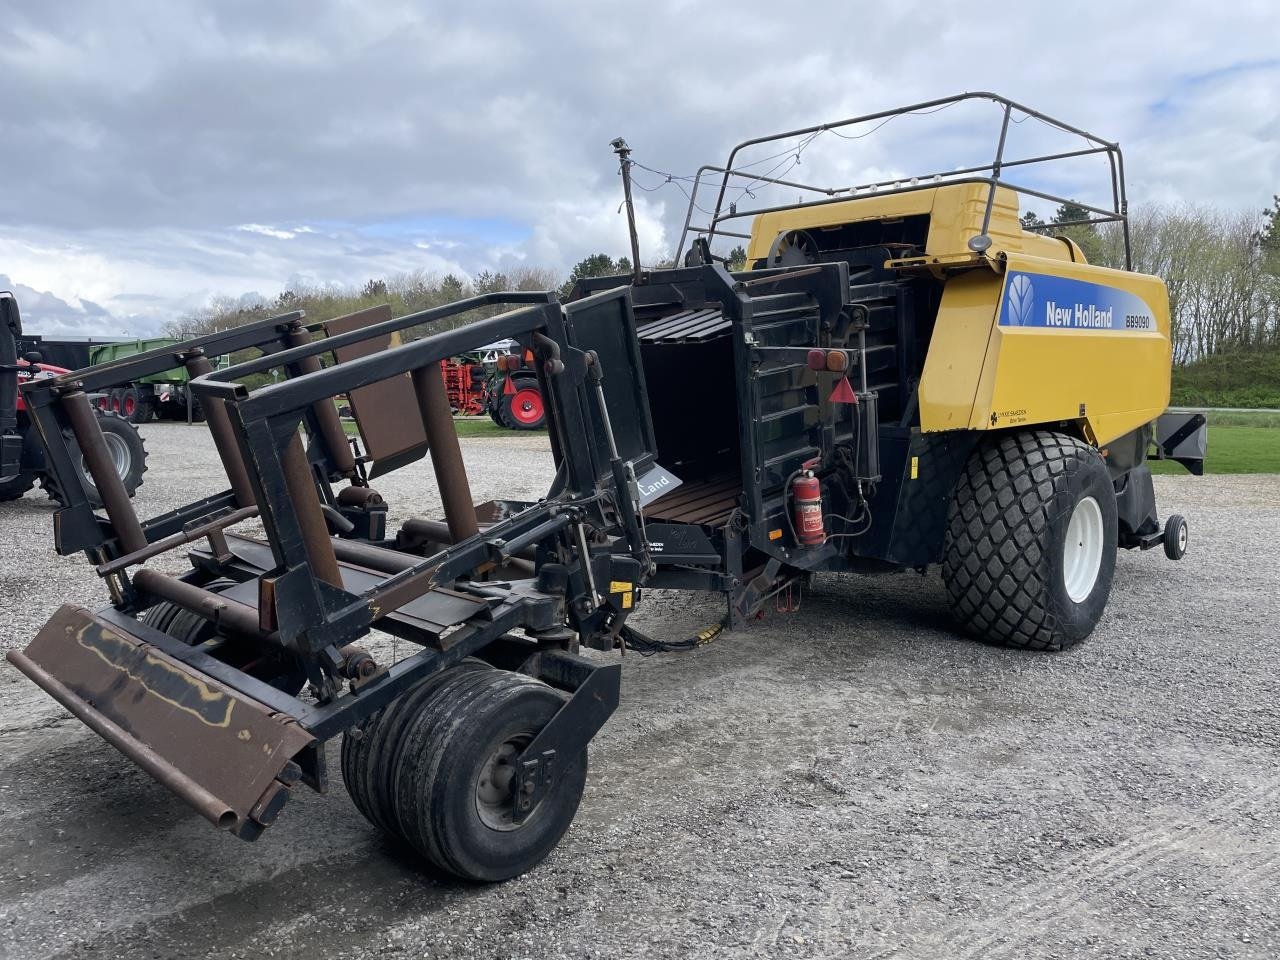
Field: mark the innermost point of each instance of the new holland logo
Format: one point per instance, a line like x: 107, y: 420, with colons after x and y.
x: 1021, y: 297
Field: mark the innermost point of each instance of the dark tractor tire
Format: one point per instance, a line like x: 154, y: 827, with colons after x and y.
x: 493, y: 406
x: 197, y: 411
x: 127, y: 451
x: 15, y: 487
x: 371, y: 750
x: 524, y: 409
x: 129, y: 404
x: 116, y: 398
x: 1030, y: 547
x: 452, y: 780
x: 1176, y: 536
x: 138, y: 406
x: 280, y: 668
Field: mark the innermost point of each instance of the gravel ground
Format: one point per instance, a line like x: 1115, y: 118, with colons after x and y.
x: 850, y: 780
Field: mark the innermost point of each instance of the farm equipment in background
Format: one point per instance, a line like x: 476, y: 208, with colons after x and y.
x: 513, y: 398
x: 163, y: 396
x: 900, y: 379
x: 22, y: 456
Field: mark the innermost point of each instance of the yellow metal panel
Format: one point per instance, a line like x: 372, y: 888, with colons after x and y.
x: 953, y: 365
x: 955, y: 215
x: 1119, y: 378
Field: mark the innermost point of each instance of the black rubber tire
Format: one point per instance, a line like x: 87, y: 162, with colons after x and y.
x: 442, y: 756
x: 116, y: 394
x: 15, y: 487
x: 135, y: 466
x: 144, y: 410
x: 508, y: 419
x: 282, y: 670
x: 494, y: 408
x: 370, y: 751
x: 1003, y: 552
x: 1176, y: 537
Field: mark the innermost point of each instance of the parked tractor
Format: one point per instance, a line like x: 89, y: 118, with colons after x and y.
x: 902, y: 378
x: 22, y: 456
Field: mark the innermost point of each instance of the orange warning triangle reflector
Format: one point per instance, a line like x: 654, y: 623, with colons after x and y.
x: 508, y: 388
x: 843, y: 393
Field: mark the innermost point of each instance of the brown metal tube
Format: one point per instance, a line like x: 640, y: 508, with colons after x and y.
x: 306, y: 507
x: 446, y: 454
x: 332, y: 435
x: 205, y: 803
x: 224, y: 436
x: 176, y: 540
x: 222, y: 611
x: 115, y: 499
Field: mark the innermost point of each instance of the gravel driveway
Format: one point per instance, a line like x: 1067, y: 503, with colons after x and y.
x: 850, y: 780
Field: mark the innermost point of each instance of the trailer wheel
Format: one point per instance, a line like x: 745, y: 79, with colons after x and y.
x: 137, y: 406
x: 127, y: 450
x: 279, y: 668
x: 1175, y: 537
x: 15, y: 487
x: 453, y: 778
x: 371, y: 750
x: 1030, y: 547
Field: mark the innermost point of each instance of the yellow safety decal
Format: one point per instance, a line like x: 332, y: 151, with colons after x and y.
x: 775, y: 534
x: 626, y: 600
x: 619, y: 586
x: 915, y: 467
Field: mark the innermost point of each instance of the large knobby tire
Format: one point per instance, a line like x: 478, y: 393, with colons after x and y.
x: 127, y: 450
x: 452, y: 775
x: 16, y: 486
x: 1030, y: 547
x: 277, y: 667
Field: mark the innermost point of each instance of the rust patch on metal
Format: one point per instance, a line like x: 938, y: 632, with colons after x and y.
x: 218, y: 749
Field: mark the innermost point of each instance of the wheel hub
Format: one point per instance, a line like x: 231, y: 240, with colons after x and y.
x: 495, y: 796
x: 1082, y: 551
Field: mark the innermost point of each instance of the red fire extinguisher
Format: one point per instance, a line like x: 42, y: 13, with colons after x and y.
x: 807, y: 493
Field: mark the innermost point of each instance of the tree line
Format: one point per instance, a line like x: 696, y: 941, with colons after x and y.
x: 1222, y: 270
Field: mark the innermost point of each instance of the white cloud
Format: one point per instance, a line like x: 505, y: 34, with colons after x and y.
x: 268, y: 231
x: 235, y: 128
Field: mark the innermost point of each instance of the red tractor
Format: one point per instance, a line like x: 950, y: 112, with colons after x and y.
x: 512, y: 397
x: 22, y: 458
x: 498, y: 382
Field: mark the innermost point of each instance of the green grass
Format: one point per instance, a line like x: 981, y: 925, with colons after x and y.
x: 1235, y: 449
x: 466, y: 427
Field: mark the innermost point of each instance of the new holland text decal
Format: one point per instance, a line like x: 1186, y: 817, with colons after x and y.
x: 1039, y: 300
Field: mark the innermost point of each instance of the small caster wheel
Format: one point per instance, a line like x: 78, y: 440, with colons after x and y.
x: 1175, y: 537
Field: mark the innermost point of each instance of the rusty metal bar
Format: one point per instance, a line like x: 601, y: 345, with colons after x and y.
x: 306, y: 507
x: 205, y: 803
x: 101, y: 466
x: 176, y: 540
x: 332, y: 435
x: 446, y: 454
x: 221, y: 611
x: 223, y: 433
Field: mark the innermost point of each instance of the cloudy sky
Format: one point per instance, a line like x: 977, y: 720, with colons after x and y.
x: 155, y: 155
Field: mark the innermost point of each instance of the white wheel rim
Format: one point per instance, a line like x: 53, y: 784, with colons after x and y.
x: 1182, y: 538
x: 1082, y: 553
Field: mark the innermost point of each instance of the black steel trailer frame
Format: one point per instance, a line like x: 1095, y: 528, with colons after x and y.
x: 320, y: 581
